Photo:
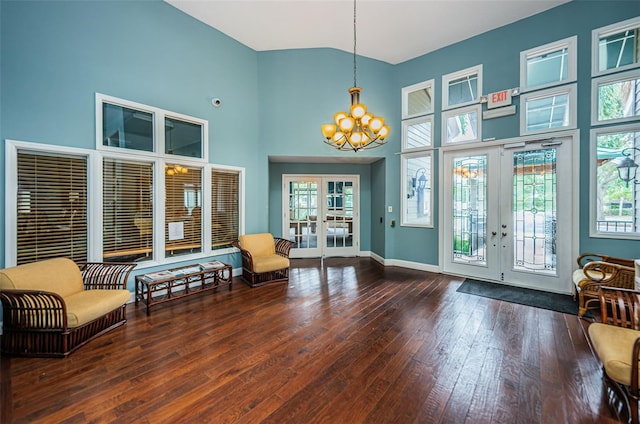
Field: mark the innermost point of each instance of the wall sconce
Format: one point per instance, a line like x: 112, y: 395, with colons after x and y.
x: 627, y: 168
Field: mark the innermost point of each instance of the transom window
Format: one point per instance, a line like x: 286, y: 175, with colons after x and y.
x: 417, y: 99
x: 616, y: 98
x: 548, y: 110
x: 463, y: 125
x: 548, y: 65
x: 462, y: 88
x: 615, y: 47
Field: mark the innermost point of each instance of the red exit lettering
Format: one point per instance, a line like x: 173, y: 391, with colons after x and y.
x: 499, y: 96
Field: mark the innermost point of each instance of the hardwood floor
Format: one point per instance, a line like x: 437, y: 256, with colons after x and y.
x: 348, y: 342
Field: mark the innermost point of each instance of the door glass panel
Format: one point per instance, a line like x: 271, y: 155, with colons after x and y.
x: 339, y: 218
x: 469, y: 210
x: 534, y: 211
x: 303, y: 213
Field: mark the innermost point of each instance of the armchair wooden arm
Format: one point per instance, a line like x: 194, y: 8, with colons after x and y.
x: 106, y: 275
x: 620, y: 307
x: 596, y: 273
x: 283, y: 246
x: 585, y: 258
x: 30, y: 309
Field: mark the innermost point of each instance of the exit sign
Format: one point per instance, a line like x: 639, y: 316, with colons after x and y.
x: 499, y: 99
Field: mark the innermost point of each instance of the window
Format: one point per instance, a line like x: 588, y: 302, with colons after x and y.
x: 615, y: 204
x: 548, y: 110
x: 183, y: 219
x: 417, y: 133
x: 51, y: 207
x: 417, y: 196
x: 462, y: 125
x: 127, y: 210
x: 615, y: 47
x: 133, y: 198
x: 127, y: 128
x: 548, y: 65
x: 123, y: 124
x: 225, y: 205
x: 416, y: 159
x: 183, y: 138
x: 417, y: 99
x: 462, y: 88
x: 615, y: 98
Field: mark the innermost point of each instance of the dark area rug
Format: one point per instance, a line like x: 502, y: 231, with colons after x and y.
x: 553, y: 301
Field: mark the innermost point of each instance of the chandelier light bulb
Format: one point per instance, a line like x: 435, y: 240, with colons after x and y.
x: 328, y: 130
x: 347, y: 124
x: 339, y: 117
x: 358, y: 111
x: 376, y: 124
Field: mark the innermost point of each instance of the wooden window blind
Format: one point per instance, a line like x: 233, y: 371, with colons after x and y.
x: 127, y: 210
x: 183, y: 202
x: 51, y: 207
x: 225, y: 207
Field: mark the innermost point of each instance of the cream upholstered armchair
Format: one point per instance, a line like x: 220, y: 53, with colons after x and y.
x: 265, y: 259
x: 596, y: 271
x: 616, y: 342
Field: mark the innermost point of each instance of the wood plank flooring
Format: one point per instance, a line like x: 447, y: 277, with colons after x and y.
x: 348, y: 341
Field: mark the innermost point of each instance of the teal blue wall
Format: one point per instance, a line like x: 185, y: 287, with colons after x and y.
x: 499, y: 53
x: 55, y: 55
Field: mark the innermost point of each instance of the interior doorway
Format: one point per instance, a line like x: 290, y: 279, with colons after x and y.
x: 321, y: 214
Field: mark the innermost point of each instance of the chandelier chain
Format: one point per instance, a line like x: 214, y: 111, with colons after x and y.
x: 354, y: 44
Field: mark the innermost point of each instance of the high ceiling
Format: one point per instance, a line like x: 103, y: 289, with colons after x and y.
x: 392, y: 31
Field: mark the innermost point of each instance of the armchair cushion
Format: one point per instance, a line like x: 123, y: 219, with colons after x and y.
x: 269, y: 263
x: 85, y: 306
x: 614, y: 346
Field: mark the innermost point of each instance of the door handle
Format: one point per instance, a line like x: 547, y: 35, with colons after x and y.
x: 504, y: 234
x: 494, y: 233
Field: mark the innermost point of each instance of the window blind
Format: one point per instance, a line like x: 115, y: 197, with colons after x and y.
x: 224, y: 207
x: 183, y: 190
x: 51, y: 207
x: 127, y: 210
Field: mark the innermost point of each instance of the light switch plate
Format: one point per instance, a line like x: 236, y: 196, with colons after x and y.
x: 390, y: 209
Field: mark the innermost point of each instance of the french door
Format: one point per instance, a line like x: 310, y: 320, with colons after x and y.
x: 509, y: 213
x: 321, y: 215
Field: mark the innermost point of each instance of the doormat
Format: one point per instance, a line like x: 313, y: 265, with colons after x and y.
x: 563, y: 303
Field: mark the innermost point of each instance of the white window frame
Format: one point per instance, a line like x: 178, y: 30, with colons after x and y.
x: 569, y: 89
x: 446, y: 79
x: 606, y: 80
x: 95, y: 199
x: 593, y: 136
x: 404, y: 222
x: 597, y: 33
x: 410, y: 122
x: 571, y: 44
x: 11, y: 193
x: 159, y: 116
x: 461, y: 111
x: 406, y: 91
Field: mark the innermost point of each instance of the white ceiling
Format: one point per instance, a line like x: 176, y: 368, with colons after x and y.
x: 392, y: 31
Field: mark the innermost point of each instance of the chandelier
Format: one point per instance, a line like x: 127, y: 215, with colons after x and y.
x: 175, y: 169
x: 358, y: 129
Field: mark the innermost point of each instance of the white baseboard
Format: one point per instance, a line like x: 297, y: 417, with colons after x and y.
x: 403, y: 264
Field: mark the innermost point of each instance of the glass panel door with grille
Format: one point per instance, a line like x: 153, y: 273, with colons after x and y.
x: 326, y: 227
x: 507, y: 207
